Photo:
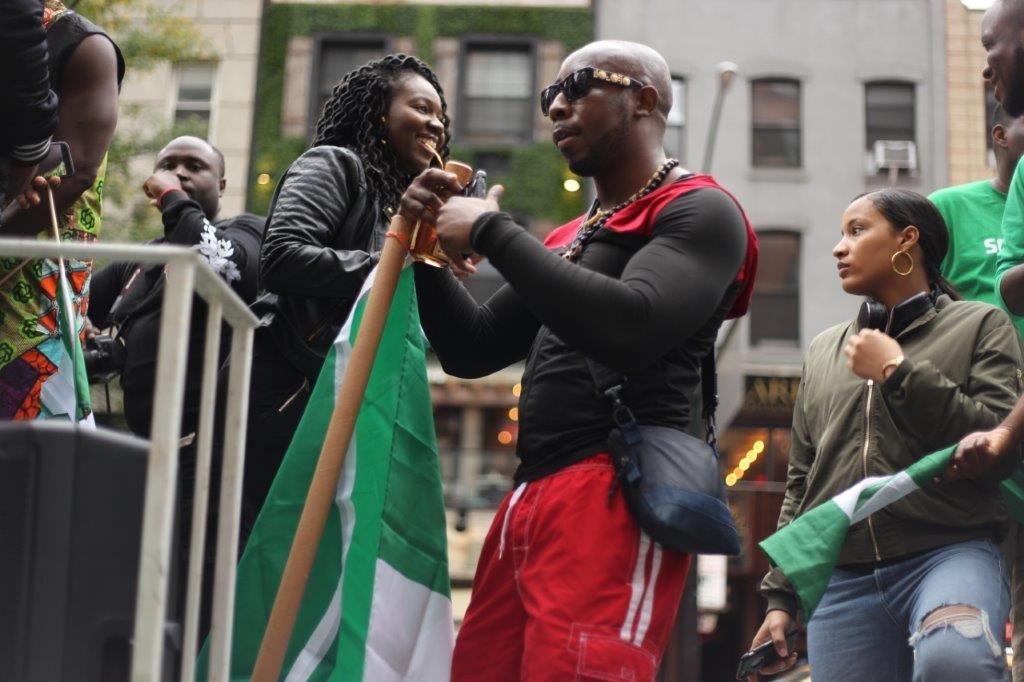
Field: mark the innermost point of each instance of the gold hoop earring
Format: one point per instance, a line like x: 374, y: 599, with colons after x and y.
x: 910, y: 268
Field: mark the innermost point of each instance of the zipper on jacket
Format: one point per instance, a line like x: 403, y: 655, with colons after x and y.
x: 867, y: 443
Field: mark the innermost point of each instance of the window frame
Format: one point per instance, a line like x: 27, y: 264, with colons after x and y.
x: 755, y: 127
x: 320, y: 41
x: 791, y: 290
x: 679, y: 153
x: 467, y: 44
x: 890, y: 82
x: 176, y: 103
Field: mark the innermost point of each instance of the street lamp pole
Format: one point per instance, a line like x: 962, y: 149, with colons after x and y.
x: 683, y: 664
x: 726, y: 73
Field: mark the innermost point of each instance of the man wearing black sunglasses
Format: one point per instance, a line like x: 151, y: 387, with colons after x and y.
x: 567, y: 586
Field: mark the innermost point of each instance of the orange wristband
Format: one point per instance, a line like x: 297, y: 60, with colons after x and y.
x: 402, y: 239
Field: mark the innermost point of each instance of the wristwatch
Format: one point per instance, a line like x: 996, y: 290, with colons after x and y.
x: 894, y: 363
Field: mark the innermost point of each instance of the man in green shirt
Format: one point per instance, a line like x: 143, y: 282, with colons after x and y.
x: 986, y: 239
x: 974, y: 216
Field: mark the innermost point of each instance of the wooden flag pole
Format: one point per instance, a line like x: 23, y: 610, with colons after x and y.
x: 332, y: 455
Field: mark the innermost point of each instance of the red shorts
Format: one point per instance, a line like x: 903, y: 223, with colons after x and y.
x: 568, y: 588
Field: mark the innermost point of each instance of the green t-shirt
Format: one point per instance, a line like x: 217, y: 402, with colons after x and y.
x: 1012, y: 251
x: 974, y: 215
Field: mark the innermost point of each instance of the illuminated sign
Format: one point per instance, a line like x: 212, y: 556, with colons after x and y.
x: 767, y: 393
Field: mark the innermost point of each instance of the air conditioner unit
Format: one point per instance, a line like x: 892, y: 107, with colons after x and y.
x: 895, y: 155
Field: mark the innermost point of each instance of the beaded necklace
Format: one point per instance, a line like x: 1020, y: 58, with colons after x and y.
x: 600, y: 219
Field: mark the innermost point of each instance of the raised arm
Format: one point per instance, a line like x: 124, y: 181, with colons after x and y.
x: 472, y: 340
x: 933, y: 409
x: 233, y: 254
x: 87, y: 116
x: 667, y: 291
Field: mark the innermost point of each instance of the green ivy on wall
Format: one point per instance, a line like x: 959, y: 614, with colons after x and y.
x: 536, y: 172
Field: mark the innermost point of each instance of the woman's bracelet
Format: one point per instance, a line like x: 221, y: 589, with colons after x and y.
x: 894, y: 363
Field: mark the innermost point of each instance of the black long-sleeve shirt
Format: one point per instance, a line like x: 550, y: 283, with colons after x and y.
x: 28, y: 108
x: 130, y: 295
x: 647, y: 304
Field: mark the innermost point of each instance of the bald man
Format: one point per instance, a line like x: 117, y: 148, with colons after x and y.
x: 186, y: 187
x: 568, y: 586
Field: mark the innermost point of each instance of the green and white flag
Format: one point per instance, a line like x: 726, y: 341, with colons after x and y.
x: 807, y: 548
x: 66, y: 392
x: 377, y: 606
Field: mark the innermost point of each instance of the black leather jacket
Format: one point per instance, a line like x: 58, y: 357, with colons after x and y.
x: 28, y: 108
x: 323, y: 237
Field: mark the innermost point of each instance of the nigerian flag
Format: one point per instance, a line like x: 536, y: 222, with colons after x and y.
x: 377, y: 605
x: 806, y: 549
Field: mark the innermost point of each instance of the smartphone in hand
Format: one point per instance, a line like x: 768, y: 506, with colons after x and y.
x: 762, y: 655
x: 58, y: 160
x: 477, y: 187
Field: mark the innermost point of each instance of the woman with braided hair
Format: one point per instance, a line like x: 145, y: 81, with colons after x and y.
x: 326, y: 227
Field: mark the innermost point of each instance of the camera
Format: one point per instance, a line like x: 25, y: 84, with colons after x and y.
x: 104, y: 358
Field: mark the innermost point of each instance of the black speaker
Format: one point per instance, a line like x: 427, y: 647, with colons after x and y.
x: 71, y: 504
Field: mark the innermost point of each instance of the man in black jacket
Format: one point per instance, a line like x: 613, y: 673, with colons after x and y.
x: 186, y: 186
x: 28, y: 108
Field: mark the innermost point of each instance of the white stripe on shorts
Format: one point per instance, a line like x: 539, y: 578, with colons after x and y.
x: 636, y: 587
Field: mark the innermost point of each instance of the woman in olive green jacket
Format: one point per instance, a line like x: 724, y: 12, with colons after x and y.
x: 919, y: 591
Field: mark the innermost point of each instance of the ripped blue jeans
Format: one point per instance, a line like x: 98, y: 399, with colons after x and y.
x: 936, y: 617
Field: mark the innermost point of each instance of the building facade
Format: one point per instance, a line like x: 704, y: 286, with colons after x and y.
x: 211, y: 96
x: 970, y: 102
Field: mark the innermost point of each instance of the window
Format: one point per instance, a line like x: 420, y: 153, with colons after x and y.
x: 497, y: 93
x: 675, y: 131
x: 336, y: 56
x: 889, y: 115
x: 775, y: 308
x: 195, y: 96
x: 776, y: 123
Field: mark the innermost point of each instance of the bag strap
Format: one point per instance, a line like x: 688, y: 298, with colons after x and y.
x: 610, y: 384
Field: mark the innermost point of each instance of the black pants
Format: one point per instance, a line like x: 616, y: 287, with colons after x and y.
x: 277, y: 398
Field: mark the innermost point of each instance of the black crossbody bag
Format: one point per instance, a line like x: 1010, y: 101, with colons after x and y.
x: 670, y: 479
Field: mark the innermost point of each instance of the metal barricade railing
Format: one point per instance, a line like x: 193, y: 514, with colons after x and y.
x: 186, y: 273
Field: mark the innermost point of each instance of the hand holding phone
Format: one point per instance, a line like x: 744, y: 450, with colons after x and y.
x: 26, y: 186
x: 58, y: 160
x: 763, y: 655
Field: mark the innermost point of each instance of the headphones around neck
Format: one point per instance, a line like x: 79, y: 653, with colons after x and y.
x: 874, y: 315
